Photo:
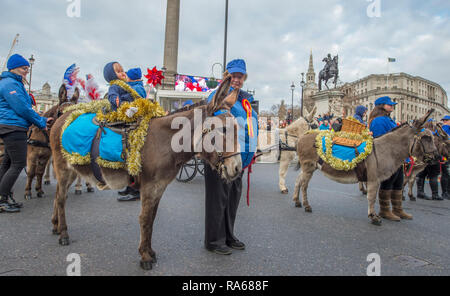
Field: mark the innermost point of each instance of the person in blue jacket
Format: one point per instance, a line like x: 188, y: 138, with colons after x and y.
x: 16, y: 116
x: 390, y: 191
x: 445, y: 177
x: 360, y: 112
x: 116, y: 94
x: 135, y: 81
x: 222, y: 198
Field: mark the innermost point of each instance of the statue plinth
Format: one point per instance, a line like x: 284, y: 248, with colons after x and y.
x: 329, y: 101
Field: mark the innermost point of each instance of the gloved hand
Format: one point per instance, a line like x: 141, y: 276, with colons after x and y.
x: 131, y: 111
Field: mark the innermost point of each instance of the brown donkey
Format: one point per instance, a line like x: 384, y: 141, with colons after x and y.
x: 160, y: 163
x: 389, y: 153
x: 39, y: 151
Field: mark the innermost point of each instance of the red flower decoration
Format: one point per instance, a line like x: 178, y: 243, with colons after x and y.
x: 154, y: 76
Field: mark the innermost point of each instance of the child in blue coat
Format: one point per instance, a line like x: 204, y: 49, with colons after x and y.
x: 135, y: 81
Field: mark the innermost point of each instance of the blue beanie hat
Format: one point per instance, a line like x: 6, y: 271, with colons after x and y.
x: 237, y: 65
x: 134, y: 74
x: 16, y: 61
x: 108, y: 72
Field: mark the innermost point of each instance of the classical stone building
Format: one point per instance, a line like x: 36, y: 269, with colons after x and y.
x: 45, y: 99
x: 415, y: 95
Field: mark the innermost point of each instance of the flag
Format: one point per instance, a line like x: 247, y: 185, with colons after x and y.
x: 391, y: 60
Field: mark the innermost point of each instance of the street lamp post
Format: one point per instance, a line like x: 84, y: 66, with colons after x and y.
x: 225, y: 37
x: 302, y: 84
x: 31, y: 60
x: 292, y: 108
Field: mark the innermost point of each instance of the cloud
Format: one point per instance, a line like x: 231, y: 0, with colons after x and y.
x: 274, y: 37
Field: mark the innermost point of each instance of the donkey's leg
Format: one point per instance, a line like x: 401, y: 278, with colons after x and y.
x: 78, y: 186
x: 150, y: 197
x: 362, y: 188
x: 47, y: 172
x: 89, y: 187
x: 40, y: 170
x: 65, y: 179
x: 372, y: 189
x: 411, y: 182
x: 304, y: 182
x: 31, y: 172
x: 286, y: 158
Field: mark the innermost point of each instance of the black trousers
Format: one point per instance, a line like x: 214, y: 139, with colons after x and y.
x: 431, y: 171
x: 395, y: 182
x: 14, y: 160
x: 445, y: 177
x: 221, y: 204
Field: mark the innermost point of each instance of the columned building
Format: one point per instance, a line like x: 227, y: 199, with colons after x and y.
x: 45, y: 99
x: 415, y: 95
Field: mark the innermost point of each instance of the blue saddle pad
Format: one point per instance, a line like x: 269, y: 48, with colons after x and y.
x: 344, y: 152
x: 78, y: 137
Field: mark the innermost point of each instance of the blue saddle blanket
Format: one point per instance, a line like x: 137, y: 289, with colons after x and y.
x: 344, y: 152
x: 78, y: 137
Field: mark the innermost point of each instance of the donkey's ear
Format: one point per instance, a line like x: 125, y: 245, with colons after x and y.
x: 62, y: 94
x: 420, y: 122
x: 440, y: 131
x: 220, y: 95
x: 76, y: 96
x: 309, y: 117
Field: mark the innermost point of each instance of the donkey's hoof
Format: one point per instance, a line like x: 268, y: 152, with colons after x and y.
x: 47, y: 182
x: 146, y: 265
x: 78, y: 192
x: 364, y: 192
x: 64, y: 241
x: 298, y: 204
x: 308, y: 209
x: 27, y: 196
x: 55, y: 231
x: 40, y: 194
x: 154, y: 258
x: 90, y: 189
x: 284, y: 191
x: 375, y: 219
x: 412, y: 198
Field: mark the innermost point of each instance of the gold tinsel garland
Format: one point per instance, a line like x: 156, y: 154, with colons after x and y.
x: 337, y: 163
x: 136, y: 138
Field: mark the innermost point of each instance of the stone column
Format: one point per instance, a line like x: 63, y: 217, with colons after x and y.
x: 171, y: 43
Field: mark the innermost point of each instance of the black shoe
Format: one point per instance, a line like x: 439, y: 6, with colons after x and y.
x: 436, y: 197
x: 127, y: 191
x: 237, y: 245
x: 445, y: 195
x: 13, y: 202
x: 5, y: 206
x: 422, y: 195
x: 131, y: 197
x: 221, y: 250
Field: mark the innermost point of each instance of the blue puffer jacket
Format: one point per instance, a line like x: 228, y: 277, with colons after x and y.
x: 115, y: 91
x: 446, y: 128
x: 138, y: 86
x: 16, y: 105
x: 381, y: 125
x: 248, y: 145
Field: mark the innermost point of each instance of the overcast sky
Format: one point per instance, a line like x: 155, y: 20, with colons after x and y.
x: 274, y: 38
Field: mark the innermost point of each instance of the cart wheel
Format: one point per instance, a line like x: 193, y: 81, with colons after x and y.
x: 187, y: 171
x: 201, y: 166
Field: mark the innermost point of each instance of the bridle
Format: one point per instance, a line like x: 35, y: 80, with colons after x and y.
x: 220, y: 164
x: 427, y: 156
x: 37, y: 143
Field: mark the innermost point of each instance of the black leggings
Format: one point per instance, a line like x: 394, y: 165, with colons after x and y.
x: 395, y: 182
x: 14, y: 160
